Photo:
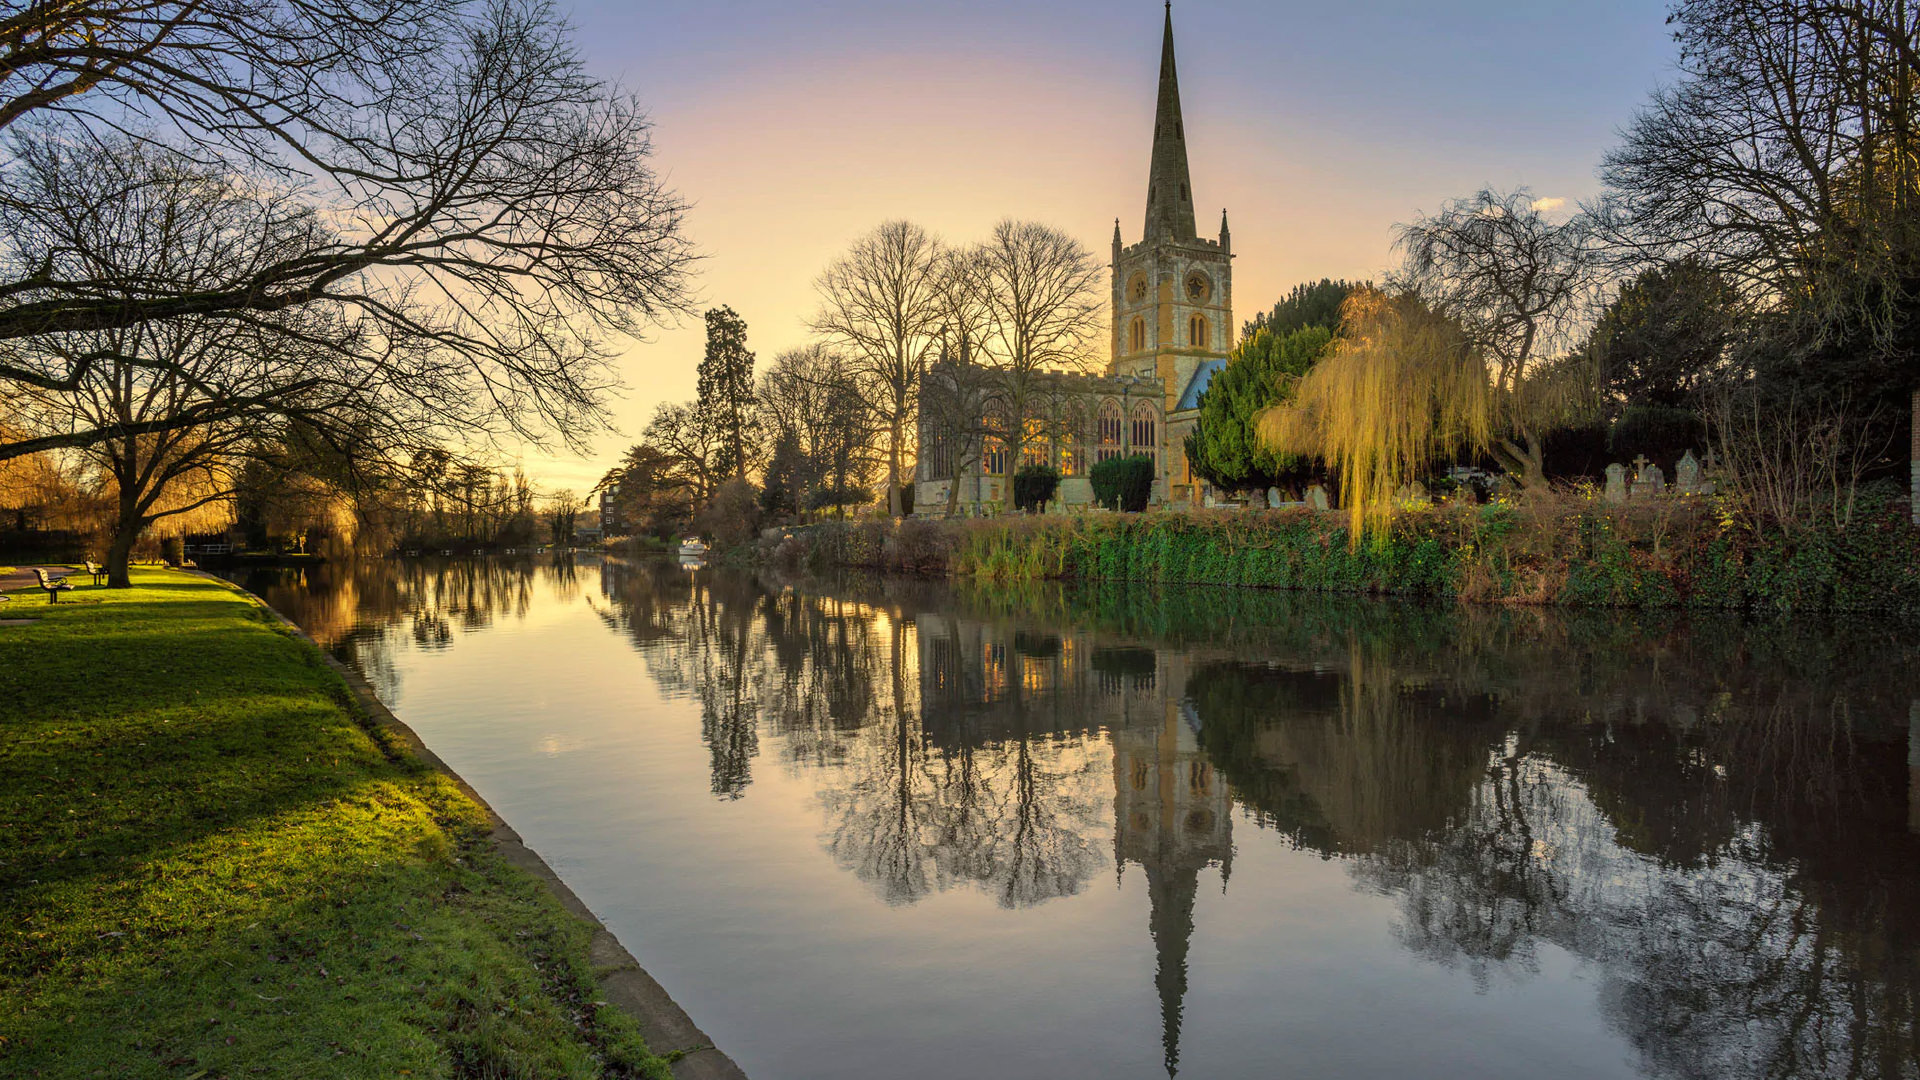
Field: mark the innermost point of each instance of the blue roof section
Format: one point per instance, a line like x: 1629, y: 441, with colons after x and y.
x: 1202, y: 376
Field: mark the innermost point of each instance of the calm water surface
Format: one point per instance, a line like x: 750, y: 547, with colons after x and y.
x: 875, y: 829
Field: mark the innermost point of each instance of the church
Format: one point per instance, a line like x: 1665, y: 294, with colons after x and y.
x: 1172, y: 329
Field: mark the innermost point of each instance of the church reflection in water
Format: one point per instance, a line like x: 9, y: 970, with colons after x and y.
x: 1715, y: 816
x: 1720, y: 821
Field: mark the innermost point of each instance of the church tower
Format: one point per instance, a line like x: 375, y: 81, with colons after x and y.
x: 1172, y: 291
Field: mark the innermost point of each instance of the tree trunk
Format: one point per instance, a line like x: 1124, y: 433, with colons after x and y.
x: 1913, y: 465
x: 126, y: 531
x: 893, y: 467
x: 1526, y: 459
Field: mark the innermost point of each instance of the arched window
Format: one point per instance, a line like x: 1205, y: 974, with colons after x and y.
x: 1109, y: 432
x: 1035, y: 444
x: 1137, y: 334
x: 996, y: 456
x: 1144, y: 438
x: 1197, y: 331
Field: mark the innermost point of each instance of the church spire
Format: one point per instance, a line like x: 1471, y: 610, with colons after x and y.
x: 1169, y: 187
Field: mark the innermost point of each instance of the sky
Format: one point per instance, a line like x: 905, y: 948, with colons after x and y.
x: 792, y: 128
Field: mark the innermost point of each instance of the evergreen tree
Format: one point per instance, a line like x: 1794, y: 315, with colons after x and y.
x: 1313, y: 304
x: 1224, y: 447
x: 724, y: 399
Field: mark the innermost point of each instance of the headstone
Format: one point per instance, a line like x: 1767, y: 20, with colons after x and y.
x: 1417, y: 491
x: 1616, y: 483
x: 1274, y: 498
x: 1317, y: 498
x: 1650, y: 481
x: 1207, y: 500
x: 1686, y: 475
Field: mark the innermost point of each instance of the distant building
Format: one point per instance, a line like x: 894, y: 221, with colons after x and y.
x: 1172, y: 304
x: 612, y: 521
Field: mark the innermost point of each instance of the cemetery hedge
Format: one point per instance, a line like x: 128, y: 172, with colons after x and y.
x: 1575, y: 551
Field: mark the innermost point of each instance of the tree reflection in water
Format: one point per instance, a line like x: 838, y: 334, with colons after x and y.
x: 1717, y: 819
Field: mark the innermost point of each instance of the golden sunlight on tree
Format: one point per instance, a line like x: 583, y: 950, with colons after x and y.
x: 1403, y: 387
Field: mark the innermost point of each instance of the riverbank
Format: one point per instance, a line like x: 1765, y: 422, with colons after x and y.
x: 218, y: 864
x: 1568, y: 551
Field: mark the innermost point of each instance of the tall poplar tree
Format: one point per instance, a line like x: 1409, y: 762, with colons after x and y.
x: 724, y: 394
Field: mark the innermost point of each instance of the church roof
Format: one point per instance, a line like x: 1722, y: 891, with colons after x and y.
x: 1169, y: 186
x: 1202, y: 378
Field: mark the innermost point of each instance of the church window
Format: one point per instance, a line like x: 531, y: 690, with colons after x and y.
x: 996, y: 456
x: 1137, y: 335
x: 1033, y: 443
x: 1109, y: 432
x: 1144, y: 439
x: 1197, y: 331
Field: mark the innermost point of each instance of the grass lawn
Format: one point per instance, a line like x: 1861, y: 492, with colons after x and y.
x: 210, y: 868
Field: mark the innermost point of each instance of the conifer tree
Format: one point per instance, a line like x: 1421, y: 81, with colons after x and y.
x: 724, y: 399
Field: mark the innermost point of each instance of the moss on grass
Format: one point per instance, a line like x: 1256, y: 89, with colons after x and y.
x: 210, y: 867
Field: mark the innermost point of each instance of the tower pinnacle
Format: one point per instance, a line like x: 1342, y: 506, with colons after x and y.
x: 1169, y: 186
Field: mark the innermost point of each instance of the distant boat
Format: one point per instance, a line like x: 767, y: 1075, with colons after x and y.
x: 446, y: 551
x: 693, y: 548
x: 413, y: 553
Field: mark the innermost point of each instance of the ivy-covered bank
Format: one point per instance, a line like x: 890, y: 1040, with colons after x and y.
x: 1573, y: 551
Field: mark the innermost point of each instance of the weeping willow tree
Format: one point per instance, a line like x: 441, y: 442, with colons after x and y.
x: 1403, y: 388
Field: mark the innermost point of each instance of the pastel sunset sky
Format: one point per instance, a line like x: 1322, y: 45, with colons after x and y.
x: 794, y: 127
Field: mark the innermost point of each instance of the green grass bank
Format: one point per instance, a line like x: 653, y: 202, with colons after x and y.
x: 1564, y: 551
x: 212, y: 864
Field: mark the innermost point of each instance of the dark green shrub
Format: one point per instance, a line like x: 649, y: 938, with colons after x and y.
x: 1661, y: 432
x: 1123, y: 483
x: 1033, y: 487
x: 173, y: 551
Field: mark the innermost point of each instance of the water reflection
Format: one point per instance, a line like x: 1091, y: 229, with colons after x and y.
x: 1717, y: 821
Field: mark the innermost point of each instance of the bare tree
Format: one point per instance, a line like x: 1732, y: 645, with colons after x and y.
x: 1041, y: 292
x: 1518, y: 284
x: 811, y: 399
x: 694, y: 444
x: 880, y: 301
x: 1788, y: 157
x: 446, y: 176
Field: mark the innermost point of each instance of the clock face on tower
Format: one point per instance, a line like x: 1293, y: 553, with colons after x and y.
x: 1198, y: 287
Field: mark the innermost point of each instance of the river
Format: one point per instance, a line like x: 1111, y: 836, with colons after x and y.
x: 880, y: 828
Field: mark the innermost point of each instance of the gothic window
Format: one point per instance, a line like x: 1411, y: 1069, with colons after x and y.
x: 1109, y: 432
x: 1197, y: 331
x: 1137, y: 335
x: 996, y: 456
x: 1144, y: 440
x: 1033, y: 443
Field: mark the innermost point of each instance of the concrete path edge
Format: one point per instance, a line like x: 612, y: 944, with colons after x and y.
x: 669, y: 1031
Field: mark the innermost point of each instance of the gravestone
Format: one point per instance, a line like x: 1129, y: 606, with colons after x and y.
x: 1686, y: 475
x: 1317, y: 498
x: 1274, y: 498
x: 1616, y: 483
x: 1649, y: 481
x: 1419, y: 493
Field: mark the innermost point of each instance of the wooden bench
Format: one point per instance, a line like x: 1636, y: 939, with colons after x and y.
x: 54, y: 585
x: 96, y: 570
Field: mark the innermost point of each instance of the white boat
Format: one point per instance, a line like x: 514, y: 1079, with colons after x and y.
x: 692, y: 548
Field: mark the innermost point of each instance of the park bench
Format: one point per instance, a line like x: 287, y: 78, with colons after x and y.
x: 54, y: 585
x: 99, y: 572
